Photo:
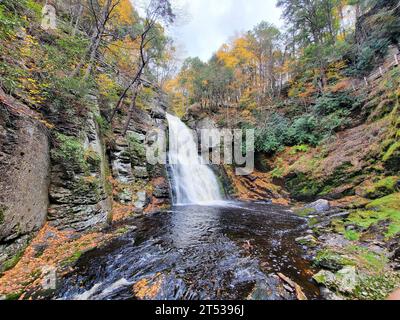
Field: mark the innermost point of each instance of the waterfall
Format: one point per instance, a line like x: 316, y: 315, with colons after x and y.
x: 192, y: 181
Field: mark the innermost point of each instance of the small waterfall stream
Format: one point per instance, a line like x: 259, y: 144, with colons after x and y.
x: 192, y: 181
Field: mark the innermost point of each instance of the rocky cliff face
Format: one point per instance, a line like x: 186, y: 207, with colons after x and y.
x: 24, y: 171
x: 140, y: 183
x: 66, y: 175
x: 78, y: 196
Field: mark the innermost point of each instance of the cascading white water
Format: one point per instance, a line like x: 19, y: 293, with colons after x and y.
x: 192, y: 181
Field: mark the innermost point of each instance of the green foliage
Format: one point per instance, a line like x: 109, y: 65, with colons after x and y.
x: 300, y: 148
x: 273, y: 135
x: 70, y: 152
x: 8, y: 22
x: 12, y: 12
x: 366, y: 58
x: 381, y: 33
x: 331, y: 102
x: 303, y: 131
x: 279, y: 170
x: 334, y: 122
x: 309, y: 129
x: 104, y: 125
x: 352, y: 235
x: 70, y: 92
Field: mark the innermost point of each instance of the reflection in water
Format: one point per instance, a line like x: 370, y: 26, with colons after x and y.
x: 198, y: 252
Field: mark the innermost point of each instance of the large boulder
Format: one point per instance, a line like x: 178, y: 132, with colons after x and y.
x: 344, y: 281
x: 319, y: 206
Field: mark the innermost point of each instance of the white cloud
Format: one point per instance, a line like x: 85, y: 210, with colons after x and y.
x: 210, y: 23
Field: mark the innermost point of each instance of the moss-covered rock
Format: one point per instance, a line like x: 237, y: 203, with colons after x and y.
x: 391, y: 157
x: 344, y: 281
x: 389, y: 202
x: 308, y: 241
x: 136, y: 150
x: 331, y: 260
x: 12, y: 262
x: 382, y: 217
x: 93, y: 159
x: 391, y: 146
x: 381, y: 188
x: 304, y: 212
x: 302, y: 187
x: 69, y: 151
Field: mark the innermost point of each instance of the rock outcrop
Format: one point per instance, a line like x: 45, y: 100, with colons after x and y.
x: 24, y: 171
x: 141, y: 183
x: 78, y: 195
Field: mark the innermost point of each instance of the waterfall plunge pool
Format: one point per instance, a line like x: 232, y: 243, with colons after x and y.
x: 198, y: 252
x: 204, y: 248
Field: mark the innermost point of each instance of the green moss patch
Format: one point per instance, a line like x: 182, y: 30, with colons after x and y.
x: 353, y: 255
x: 136, y: 150
x: 370, y: 260
x: 386, y: 209
x: 331, y: 260
x: 302, y: 187
x: 72, y: 259
x: 93, y: 159
x: 352, y: 235
x: 70, y: 152
x: 388, y: 202
x: 382, y: 188
x: 12, y: 262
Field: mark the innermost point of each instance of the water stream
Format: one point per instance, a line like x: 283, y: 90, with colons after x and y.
x: 203, y: 248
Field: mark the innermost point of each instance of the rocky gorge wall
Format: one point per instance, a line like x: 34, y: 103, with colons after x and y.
x: 69, y: 177
x: 139, y: 183
x: 24, y: 172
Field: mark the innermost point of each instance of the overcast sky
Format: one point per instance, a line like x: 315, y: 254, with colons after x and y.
x: 210, y: 23
x: 206, y: 24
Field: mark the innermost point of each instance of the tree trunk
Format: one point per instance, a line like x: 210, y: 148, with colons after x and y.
x: 132, y: 108
x: 78, y: 18
x: 95, y: 42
